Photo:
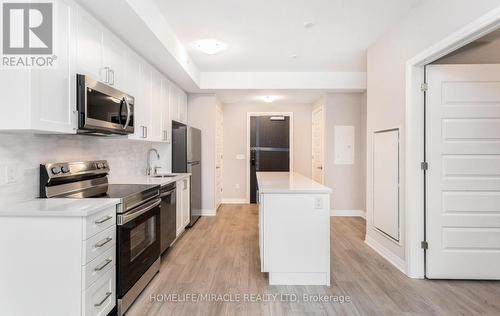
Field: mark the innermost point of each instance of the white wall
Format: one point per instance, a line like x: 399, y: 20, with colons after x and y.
x: 235, y: 142
x: 26, y: 152
x: 347, y: 181
x: 201, y: 114
x: 424, y: 26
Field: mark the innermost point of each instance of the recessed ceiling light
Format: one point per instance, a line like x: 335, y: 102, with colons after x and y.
x: 308, y: 25
x: 210, y: 46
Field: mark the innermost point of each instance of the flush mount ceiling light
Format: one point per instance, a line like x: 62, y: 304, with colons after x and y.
x: 308, y: 25
x: 269, y: 98
x: 210, y: 46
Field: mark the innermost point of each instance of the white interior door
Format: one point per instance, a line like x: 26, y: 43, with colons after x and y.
x: 219, y: 157
x: 463, y: 179
x: 317, y: 145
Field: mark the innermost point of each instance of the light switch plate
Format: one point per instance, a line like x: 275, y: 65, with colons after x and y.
x: 240, y: 157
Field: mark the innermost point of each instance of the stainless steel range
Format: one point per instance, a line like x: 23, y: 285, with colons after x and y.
x: 138, y: 219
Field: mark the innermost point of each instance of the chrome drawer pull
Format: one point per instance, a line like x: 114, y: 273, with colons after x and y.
x: 103, y: 242
x: 104, y: 219
x: 108, y: 294
x: 103, y: 265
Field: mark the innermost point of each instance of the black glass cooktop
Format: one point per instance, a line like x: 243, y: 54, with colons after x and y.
x: 131, y: 195
x: 120, y: 191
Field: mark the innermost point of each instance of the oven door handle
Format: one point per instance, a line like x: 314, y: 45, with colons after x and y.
x: 125, y: 218
x: 127, y: 122
x: 167, y: 193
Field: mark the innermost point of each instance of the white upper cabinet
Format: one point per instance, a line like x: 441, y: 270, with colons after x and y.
x: 43, y: 100
x: 145, y: 106
x: 165, y: 110
x: 133, y: 71
x: 113, y: 61
x: 183, y: 107
x: 174, y: 103
x: 89, y: 46
x: 178, y: 105
x: 100, y: 54
x: 156, y: 117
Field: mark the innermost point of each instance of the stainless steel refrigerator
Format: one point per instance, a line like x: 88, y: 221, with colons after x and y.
x: 186, y: 157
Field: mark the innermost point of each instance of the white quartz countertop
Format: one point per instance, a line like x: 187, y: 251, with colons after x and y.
x: 149, y: 179
x: 288, y: 182
x: 57, y: 207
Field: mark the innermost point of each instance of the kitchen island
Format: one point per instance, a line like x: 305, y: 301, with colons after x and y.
x: 294, y: 229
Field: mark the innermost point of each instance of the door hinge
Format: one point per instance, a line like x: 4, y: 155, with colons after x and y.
x: 424, y: 87
x: 424, y: 165
x: 424, y: 245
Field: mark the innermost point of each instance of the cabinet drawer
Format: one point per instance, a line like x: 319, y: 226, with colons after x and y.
x: 98, y: 267
x: 98, y: 222
x: 100, y: 298
x: 98, y: 244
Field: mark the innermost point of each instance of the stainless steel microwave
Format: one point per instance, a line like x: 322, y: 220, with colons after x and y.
x: 103, y: 109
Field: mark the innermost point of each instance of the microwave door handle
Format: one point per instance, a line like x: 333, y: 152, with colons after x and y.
x: 128, y: 113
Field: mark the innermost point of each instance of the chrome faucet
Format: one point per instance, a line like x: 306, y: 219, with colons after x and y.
x: 149, y: 169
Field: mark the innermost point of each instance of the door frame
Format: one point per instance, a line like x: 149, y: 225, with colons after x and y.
x: 247, y: 167
x: 323, y: 117
x: 414, y: 134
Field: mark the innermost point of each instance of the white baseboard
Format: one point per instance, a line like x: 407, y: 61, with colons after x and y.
x: 234, y: 201
x: 208, y: 212
x: 386, y: 254
x: 348, y: 213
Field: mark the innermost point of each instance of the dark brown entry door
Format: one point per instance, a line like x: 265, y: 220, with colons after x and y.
x: 269, y: 147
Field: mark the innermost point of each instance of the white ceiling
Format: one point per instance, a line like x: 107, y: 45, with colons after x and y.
x: 262, y: 35
x: 282, y: 97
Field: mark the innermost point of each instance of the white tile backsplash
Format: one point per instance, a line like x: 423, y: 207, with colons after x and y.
x: 27, y: 151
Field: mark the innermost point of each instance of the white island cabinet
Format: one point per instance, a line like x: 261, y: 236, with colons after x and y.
x: 294, y: 229
x: 58, y: 257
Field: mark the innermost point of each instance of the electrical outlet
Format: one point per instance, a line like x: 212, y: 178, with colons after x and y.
x: 318, y: 203
x: 8, y: 174
x: 11, y: 174
x: 240, y: 157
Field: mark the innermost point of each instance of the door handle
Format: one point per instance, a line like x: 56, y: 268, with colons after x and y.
x: 106, y: 74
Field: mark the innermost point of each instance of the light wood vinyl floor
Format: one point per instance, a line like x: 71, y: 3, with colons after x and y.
x: 220, y: 255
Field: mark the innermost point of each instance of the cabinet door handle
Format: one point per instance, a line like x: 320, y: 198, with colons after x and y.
x: 106, y: 74
x: 146, y: 129
x: 112, y: 76
x: 103, y: 242
x: 104, y: 219
x: 103, y: 265
x: 108, y: 294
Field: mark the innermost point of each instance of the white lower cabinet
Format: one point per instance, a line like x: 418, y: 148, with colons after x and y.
x: 99, y: 299
x: 183, y: 215
x: 55, y: 265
